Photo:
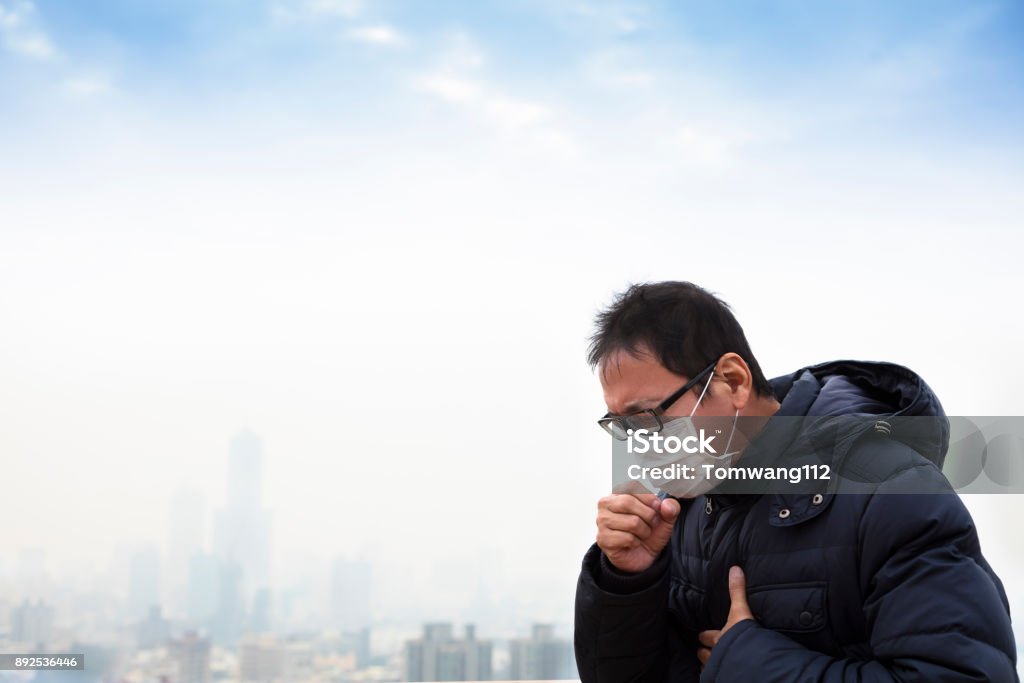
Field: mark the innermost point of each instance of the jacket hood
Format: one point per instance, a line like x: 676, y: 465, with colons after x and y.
x: 843, y: 399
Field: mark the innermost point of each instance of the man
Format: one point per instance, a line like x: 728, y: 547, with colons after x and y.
x: 860, y: 581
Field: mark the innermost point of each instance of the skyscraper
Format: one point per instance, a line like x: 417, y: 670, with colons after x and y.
x: 438, y: 656
x: 32, y: 623
x: 261, y: 659
x: 351, y: 583
x: 191, y: 656
x: 152, y: 631
x: 144, y: 582
x: 242, y: 527
x: 542, y: 656
x: 227, y: 623
x: 203, y: 588
x: 186, y: 537
x: 260, y: 618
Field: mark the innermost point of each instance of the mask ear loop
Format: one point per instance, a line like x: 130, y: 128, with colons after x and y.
x: 735, y: 418
x: 728, y: 443
x: 701, y: 397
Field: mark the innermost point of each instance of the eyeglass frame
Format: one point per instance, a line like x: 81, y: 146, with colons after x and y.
x: 655, y: 412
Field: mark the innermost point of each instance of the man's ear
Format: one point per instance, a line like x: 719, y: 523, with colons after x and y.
x: 735, y: 371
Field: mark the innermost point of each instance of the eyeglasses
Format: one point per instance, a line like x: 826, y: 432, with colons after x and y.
x: 619, y: 425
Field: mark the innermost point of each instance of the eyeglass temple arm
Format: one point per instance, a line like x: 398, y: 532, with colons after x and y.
x: 663, y: 406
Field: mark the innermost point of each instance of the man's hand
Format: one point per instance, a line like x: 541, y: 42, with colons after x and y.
x: 739, y: 610
x: 633, y: 529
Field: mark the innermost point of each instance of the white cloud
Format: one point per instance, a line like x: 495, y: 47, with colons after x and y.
x: 606, y: 17
x: 611, y: 15
x: 919, y: 65
x: 500, y: 109
x: 377, y: 34
x: 458, y: 79
x: 615, y: 69
x: 287, y: 11
x: 461, y: 53
x: 714, y: 147
x: 35, y: 45
x: 19, y: 34
x: 340, y: 8
x: 512, y: 112
x: 87, y: 85
x: 8, y: 18
x: 450, y: 88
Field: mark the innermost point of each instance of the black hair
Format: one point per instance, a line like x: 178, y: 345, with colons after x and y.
x: 684, y: 326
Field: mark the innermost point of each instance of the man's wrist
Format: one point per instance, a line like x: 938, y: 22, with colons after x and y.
x: 615, y: 580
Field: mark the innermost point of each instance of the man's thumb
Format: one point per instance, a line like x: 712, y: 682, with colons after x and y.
x: 668, y: 512
x: 738, y: 590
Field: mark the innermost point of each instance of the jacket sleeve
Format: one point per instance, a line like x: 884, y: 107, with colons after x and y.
x: 623, y: 629
x: 935, y: 611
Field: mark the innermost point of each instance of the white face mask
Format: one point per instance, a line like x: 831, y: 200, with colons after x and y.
x: 698, y: 482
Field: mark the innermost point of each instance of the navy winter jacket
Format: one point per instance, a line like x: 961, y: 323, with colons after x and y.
x: 874, y: 585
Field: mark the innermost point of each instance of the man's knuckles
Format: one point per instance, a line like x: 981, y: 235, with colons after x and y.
x: 610, y: 539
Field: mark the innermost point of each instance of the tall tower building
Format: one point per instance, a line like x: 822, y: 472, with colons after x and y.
x: 542, y: 656
x: 242, y: 527
x: 438, y: 656
x: 186, y: 537
x: 351, y: 583
x: 191, y: 656
x: 152, y: 631
x: 204, y: 585
x: 261, y: 659
x: 32, y: 623
x: 144, y: 582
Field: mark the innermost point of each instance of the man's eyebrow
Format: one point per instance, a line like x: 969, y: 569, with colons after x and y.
x: 638, y: 405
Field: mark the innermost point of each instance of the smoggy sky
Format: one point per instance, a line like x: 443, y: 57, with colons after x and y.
x: 376, y: 233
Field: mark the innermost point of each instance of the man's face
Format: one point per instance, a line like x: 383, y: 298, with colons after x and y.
x: 633, y: 382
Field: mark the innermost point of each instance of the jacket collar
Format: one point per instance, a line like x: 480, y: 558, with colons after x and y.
x: 779, y: 436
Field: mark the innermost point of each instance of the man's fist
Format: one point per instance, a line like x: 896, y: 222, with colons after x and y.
x: 633, y: 529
